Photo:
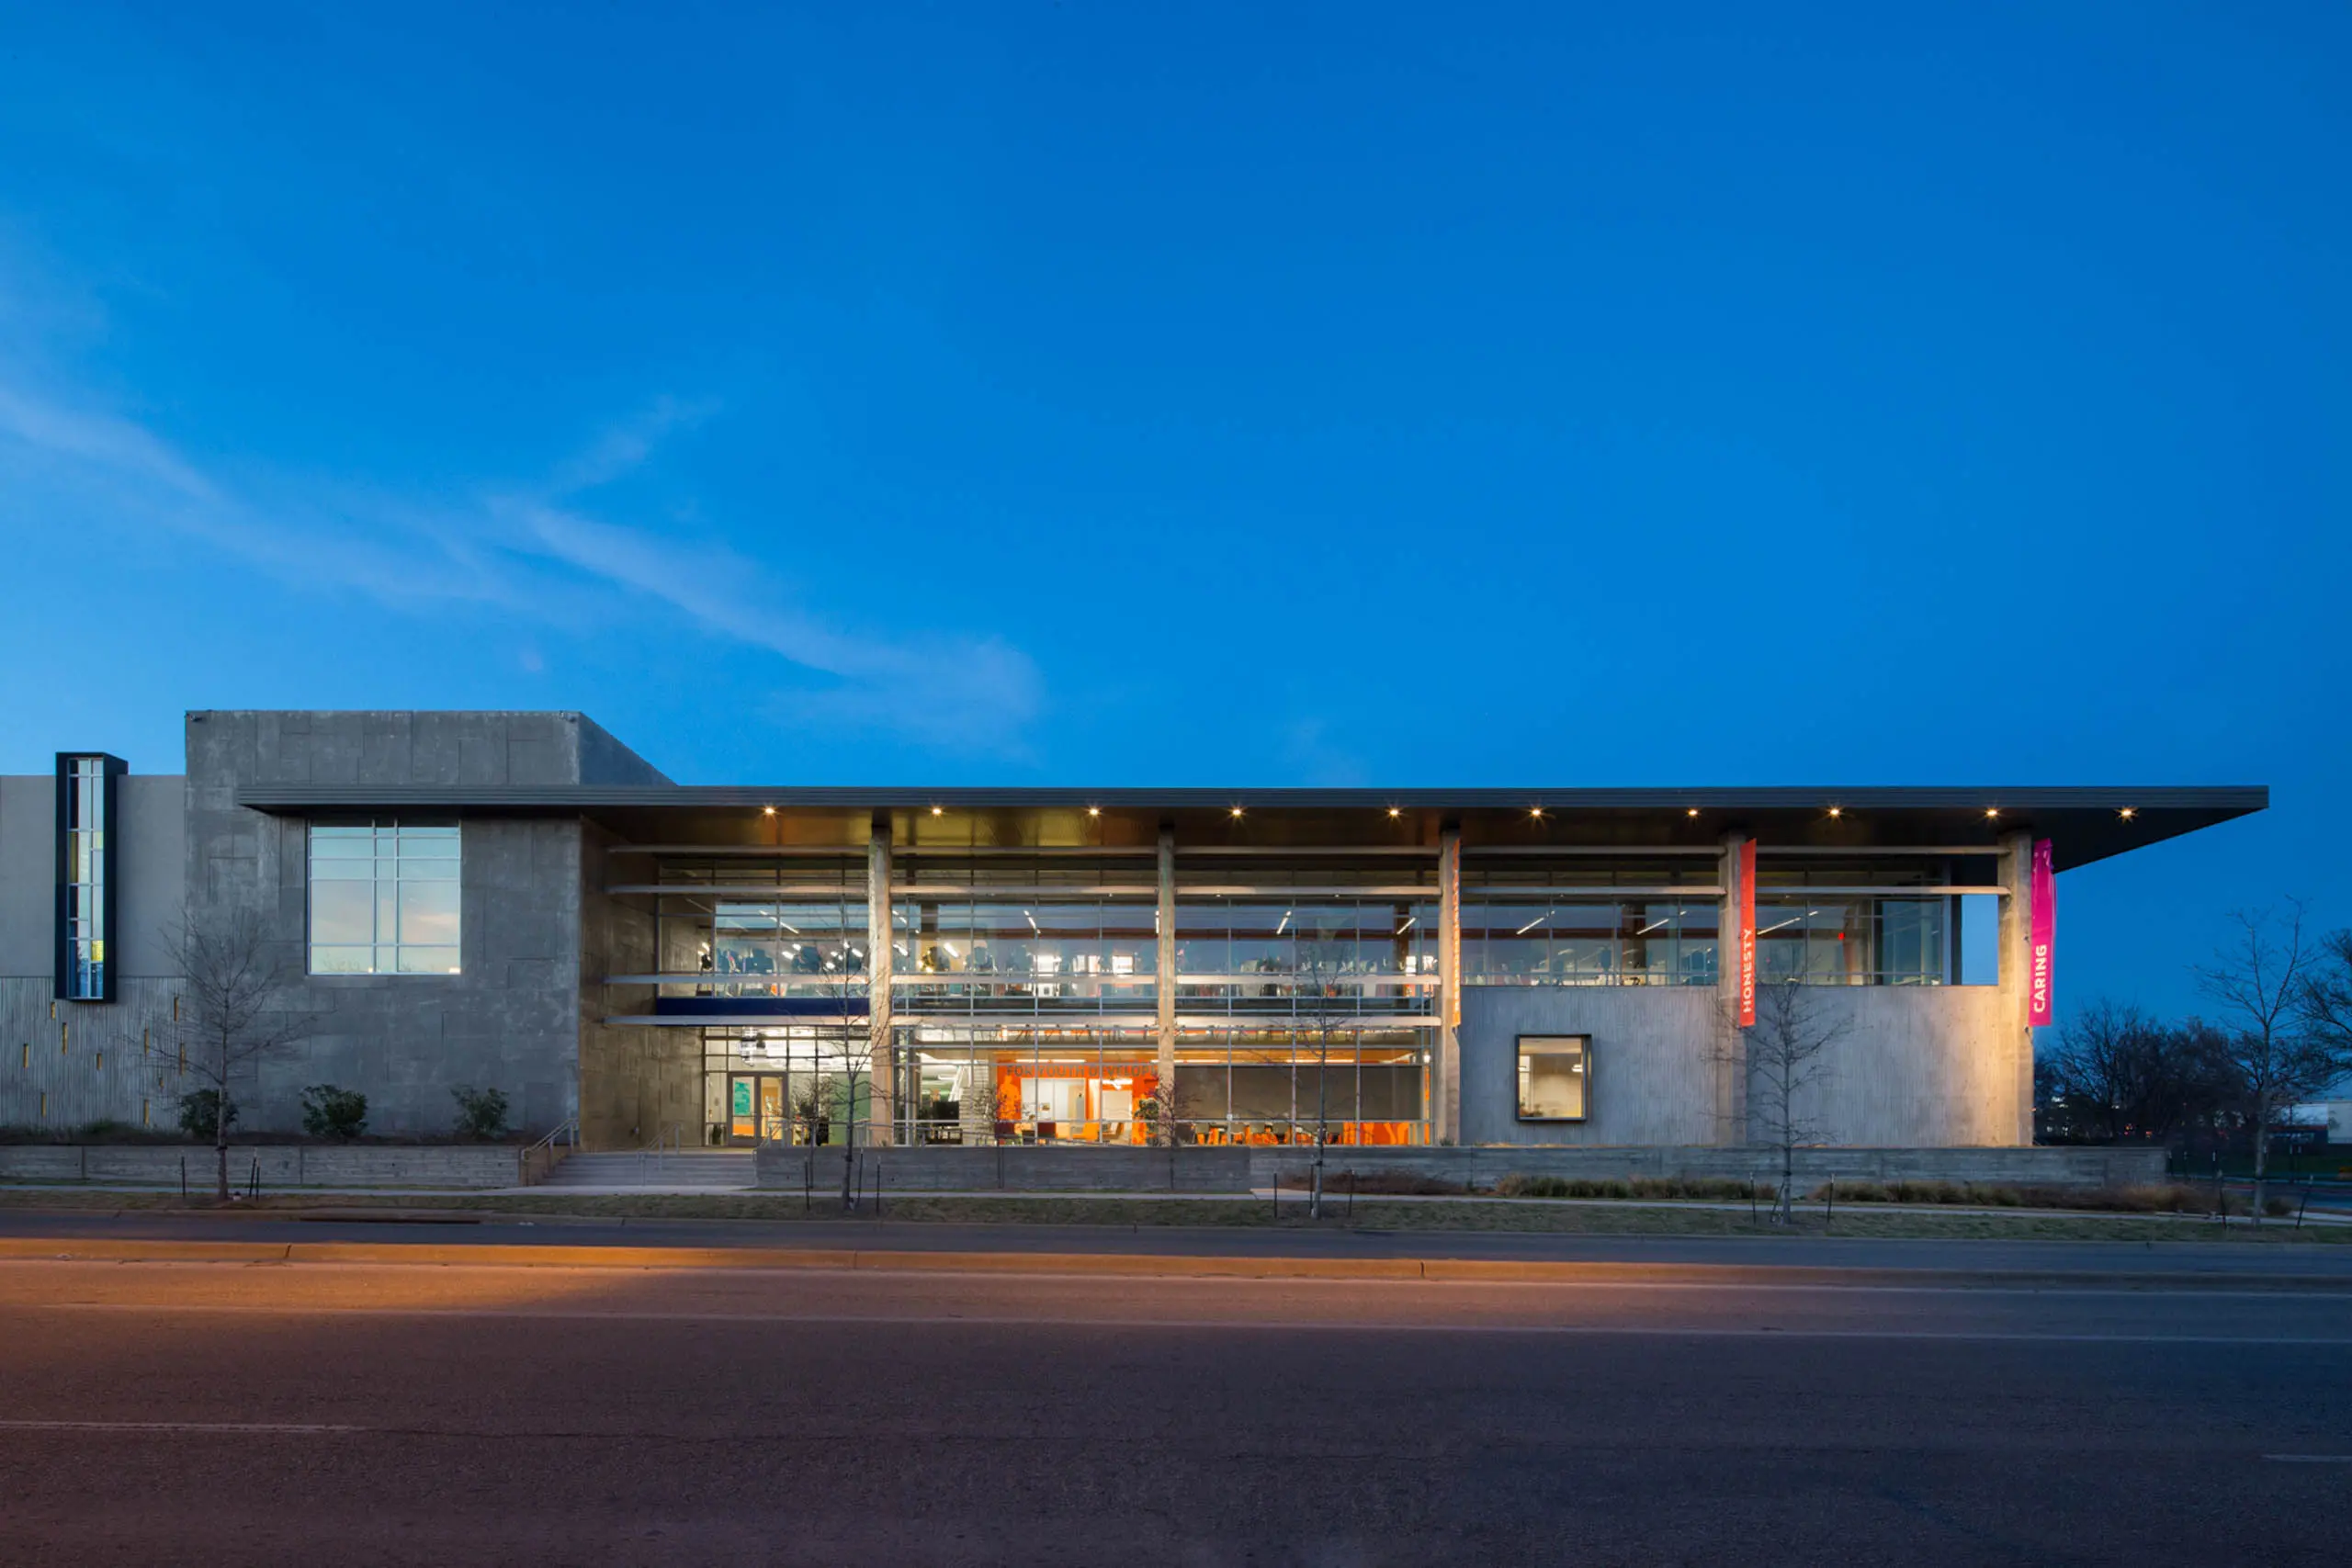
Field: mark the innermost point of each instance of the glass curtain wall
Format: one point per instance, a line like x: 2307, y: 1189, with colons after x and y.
x: 1303, y: 959
x: 1829, y: 923
x: 992, y: 1085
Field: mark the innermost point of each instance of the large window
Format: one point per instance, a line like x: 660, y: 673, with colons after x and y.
x: 383, y: 899
x: 1832, y: 940
x: 1554, y: 1076
x: 1562, y: 943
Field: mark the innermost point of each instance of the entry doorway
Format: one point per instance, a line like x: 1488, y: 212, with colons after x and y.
x: 756, y: 1109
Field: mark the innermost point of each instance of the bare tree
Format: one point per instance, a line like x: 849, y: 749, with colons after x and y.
x: 2274, y: 989
x: 1326, y: 1010
x: 236, y: 986
x: 846, y: 981
x: 1784, y: 1053
x: 2114, y: 1075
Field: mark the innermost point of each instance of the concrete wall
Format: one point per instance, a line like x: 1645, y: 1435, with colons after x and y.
x: 1652, y: 1067
x: 1016, y: 1168
x: 1075, y: 1169
x: 635, y: 1081
x: 70, y: 1064
x: 1920, y: 1067
x: 282, y: 1164
x: 511, y: 1019
x: 2071, y: 1167
x: 150, y: 871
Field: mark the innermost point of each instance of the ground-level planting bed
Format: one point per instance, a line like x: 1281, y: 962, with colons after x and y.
x: 1370, y: 1214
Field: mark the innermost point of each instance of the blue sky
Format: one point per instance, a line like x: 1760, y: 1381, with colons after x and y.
x: 1076, y: 393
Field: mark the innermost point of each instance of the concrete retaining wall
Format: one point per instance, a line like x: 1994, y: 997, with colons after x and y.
x: 2069, y: 1167
x: 282, y: 1164
x: 1022, y: 1168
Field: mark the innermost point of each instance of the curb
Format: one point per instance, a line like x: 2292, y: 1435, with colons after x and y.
x: 1128, y: 1265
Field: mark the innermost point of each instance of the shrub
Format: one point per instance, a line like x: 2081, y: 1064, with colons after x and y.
x: 1696, y: 1187
x: 482, y: 1112
x: 203, y: 1115
x: 1338, y: 1181
x: 331, y: 1112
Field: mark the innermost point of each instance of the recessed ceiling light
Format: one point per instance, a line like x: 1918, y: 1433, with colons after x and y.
x: 767, y: 810
x: 1395, y: 811
x: 937, y: 810
x: 1693, y: 812
x: 1536, y: 811
x: 1834, y: 811
x: 1094, y: 812
x: 1992, y: 811
x: 1236, y: 811
x: 2127, y: 814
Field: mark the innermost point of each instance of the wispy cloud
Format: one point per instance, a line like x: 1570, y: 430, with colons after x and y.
x: 533, y: 550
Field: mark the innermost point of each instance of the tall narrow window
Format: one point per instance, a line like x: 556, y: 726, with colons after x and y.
x: 384, y: 898
x: 85, y: 905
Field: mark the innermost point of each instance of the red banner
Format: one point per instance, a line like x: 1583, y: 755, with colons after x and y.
x: 1748, y: 933
x: 2043, y: 939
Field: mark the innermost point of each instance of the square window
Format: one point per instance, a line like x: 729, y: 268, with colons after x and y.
x: 1554, y: 1078
x: 384, y: 898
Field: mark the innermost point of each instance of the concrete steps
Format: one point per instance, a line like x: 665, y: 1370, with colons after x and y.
x: 672, y: 1170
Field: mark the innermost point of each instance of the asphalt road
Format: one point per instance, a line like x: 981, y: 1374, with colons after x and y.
x: 449, y: 1229
x: 209, y: 1412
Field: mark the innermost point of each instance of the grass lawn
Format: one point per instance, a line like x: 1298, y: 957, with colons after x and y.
x: 1562, y: 1217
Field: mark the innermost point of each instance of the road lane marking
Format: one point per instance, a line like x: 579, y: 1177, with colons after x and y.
x: 296, y: 1427
x: 1291, y: 1325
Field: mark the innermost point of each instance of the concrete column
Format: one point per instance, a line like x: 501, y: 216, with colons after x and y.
x: 878, y: 966
x: 2016, y: 968
x: 1445, y: 1079
x: 1729, y: 1054
x: 1164, y: 987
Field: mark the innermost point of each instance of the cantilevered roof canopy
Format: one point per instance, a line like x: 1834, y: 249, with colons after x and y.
x: 2083, y: 823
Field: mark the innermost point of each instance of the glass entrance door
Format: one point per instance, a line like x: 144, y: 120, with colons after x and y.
x: 755, y: 1112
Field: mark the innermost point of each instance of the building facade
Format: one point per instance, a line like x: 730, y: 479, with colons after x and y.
x: 517, y: 901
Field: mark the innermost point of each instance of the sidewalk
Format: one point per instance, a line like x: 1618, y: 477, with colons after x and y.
x: 871, y: 1246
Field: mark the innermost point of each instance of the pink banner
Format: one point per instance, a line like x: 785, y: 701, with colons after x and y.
x: 1748, y: 933
x: 2044, y: 938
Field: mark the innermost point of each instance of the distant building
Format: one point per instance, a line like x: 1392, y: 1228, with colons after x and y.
x: 517, y: 901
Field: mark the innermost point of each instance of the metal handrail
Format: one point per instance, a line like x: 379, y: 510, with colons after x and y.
x: 668, y: 1136
x: 567, y: 1130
